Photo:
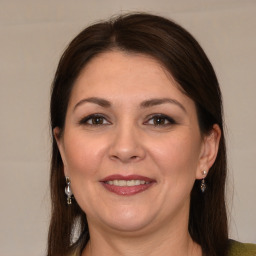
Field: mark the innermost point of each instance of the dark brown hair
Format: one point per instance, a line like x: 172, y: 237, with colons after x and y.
x: 183, y: 57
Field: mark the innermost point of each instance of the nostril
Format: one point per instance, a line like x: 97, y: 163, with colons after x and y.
x: 125, y: 158
x: 126, y: 151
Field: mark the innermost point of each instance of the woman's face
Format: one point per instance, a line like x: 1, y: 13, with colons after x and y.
x: 131, y: 144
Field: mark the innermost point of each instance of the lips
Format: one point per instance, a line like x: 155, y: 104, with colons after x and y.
x: 127, y: 185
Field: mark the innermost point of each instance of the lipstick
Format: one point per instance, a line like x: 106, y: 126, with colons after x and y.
x: 127, y: 185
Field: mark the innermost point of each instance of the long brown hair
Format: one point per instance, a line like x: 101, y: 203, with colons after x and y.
x: 183, y: 57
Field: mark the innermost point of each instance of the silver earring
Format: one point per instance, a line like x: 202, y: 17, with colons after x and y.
x: 203, y: 185
x: 68, y: 191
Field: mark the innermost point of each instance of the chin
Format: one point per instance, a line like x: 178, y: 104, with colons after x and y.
x: 127, y: 220
x: 129, y: 225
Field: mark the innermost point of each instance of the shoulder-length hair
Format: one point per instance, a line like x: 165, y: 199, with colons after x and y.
x: 187, y: 63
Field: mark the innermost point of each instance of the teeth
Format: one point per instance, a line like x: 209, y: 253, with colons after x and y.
x: 126, y: 183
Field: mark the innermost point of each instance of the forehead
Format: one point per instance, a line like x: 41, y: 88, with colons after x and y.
x: 117, y: 60
x: 118, y: 72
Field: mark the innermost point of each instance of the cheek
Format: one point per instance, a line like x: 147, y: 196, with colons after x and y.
x: 179, y: 157
x: 83, y: 154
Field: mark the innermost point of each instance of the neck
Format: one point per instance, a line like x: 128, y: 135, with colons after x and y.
x: 169, y: 240
x: 142, y: 247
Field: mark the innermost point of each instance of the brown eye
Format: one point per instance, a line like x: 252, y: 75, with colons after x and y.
x: 94, y: 120
x: 160, y: 120
x: 97, y: 120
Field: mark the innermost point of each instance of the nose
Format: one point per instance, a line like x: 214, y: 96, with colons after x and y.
x: 127, y: 145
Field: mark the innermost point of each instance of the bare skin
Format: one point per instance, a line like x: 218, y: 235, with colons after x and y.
x: 127, y: 117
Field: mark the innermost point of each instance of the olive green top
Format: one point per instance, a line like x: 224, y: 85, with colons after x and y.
x: 235, y: 249
x: 241, y: 249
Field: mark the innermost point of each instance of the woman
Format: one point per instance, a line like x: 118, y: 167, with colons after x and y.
x: 138, y: 145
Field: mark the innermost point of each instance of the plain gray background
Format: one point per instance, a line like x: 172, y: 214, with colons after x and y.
x: 33, y: 36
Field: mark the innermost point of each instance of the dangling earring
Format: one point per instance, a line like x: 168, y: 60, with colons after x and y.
x: 68, y: 191
x: 203, y: 185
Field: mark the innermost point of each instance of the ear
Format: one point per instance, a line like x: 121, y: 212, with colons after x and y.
x: 60, y: 144
x: 209, y: 151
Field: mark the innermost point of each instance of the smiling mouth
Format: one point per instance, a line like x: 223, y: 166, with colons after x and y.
x: 127, y: 185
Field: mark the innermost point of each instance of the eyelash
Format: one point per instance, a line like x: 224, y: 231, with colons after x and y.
x: 85, y: 120
x: 88, y: 120
x: 167, y: 120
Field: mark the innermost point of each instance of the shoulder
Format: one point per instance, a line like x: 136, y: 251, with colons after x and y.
x: 75, y: 251
x: 241, y: 249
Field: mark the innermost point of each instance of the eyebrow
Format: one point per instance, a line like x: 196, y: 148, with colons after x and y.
x: 155, y: 102
x: 144, y: 104
x: 99, y: 101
